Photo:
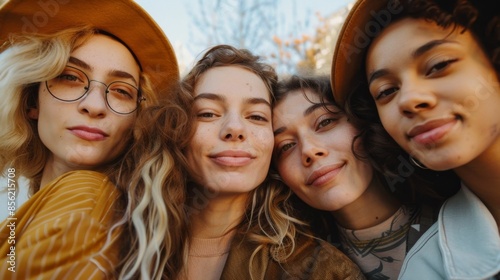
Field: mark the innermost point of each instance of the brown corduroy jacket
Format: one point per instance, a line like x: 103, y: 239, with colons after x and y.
x: 312, y: 259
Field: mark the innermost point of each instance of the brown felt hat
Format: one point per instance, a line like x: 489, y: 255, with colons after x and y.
x: 124, y: 19
x: 364, y: 21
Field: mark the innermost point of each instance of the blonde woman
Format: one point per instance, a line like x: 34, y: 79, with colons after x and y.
x: 71, y: 95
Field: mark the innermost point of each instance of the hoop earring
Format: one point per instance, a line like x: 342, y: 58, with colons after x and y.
x: 417, y: 163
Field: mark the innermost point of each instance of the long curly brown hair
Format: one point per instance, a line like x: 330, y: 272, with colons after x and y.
x: 268, y: 219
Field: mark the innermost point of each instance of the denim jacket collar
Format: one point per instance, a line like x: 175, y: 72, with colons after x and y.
x: 469, y: 237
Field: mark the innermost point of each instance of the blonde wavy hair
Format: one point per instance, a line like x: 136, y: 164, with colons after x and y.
x: 28, y: 61
x: 268, y: 220
x: 155, y: 220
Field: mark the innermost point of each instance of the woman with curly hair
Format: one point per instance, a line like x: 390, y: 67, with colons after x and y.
x: 238, y: 222
x: 320, y: 155
x: 428, y: 72
x: 235, y: 212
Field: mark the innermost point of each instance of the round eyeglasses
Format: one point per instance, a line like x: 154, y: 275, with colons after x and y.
x: 72, y: 84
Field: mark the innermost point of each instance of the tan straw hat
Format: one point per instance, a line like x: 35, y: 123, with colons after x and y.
x: 365, y: 20
x: 123, y: 18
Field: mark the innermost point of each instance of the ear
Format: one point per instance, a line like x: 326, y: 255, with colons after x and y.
x: 33, y: 113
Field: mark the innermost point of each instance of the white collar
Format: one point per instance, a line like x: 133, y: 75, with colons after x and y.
x: 468, y: 237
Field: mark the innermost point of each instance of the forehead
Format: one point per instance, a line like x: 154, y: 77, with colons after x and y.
x: 102, y: 51
x: 298, y: 98
x: 402, y: 38
x: 410, y: 32
x: 232, y: 81
x: 294, y: 105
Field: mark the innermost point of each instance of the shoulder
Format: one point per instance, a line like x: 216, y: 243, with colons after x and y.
x: 66, y: 226
x: 311, y: 259
x: 85, y: 184
x: 424, y: 260
x: 81, y: 178
x: 317, y: 259
x: 74, y: 193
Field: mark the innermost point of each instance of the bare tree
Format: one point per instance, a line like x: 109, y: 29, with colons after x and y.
x: 312, y: 53
x: 260, y: 26
x: 246, y: 24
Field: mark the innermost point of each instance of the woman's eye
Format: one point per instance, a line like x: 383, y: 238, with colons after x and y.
x: 386, y: 92
x: 68, y: 77
x: 121, y: 93
x: 284, y: 148
x: 440, y: 66
x: 124, y: 92
x: 206, y: 115
x: 326, y: 122
x: 258, y: 118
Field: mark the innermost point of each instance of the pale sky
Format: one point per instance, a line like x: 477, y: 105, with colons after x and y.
x: 174, y: 16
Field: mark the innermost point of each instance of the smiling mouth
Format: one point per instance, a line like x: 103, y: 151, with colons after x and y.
x: 323, y: 175
x: 231, y: 161
x: 232, y: 158
x: 432, y: 132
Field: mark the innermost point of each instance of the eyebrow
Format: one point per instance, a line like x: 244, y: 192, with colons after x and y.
x: 429, y: 46
x: 113, y: 73
x: 79, y: 63
x: 210, y: 96
x: 307, y: 112
x: 313, y: 108
x: 415, y: 54
x: 220, y: 98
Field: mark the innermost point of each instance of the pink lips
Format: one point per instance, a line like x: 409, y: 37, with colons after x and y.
x: 232, y: 158
x: 431, y: 131
x: 324, y: 174
x: 88, y: 133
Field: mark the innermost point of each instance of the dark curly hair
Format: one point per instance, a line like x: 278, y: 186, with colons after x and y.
x: 478, y: 17
x: 385, y: 155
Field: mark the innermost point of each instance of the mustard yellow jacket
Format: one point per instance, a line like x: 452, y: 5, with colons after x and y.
x: 60, y: 231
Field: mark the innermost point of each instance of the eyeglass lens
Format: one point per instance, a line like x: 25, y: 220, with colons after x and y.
x: 72, y: 84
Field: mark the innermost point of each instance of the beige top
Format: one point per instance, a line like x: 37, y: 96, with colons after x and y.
x: 207, y: 256
x: 380, y: 250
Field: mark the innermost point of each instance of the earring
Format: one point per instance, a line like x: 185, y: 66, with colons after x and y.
x: 417, y: 163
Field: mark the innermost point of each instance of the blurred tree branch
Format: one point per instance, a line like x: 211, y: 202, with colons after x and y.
x: 259, y: 26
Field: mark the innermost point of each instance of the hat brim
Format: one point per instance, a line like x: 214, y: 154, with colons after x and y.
x: 352, y: 43
x: 124, y: 19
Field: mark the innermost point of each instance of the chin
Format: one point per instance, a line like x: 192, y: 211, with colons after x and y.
x: 86, y: 163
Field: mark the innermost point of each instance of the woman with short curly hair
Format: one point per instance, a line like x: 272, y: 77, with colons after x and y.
x: 429, y: 74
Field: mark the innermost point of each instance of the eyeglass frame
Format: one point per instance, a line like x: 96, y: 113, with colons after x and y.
x: 140, y: 98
